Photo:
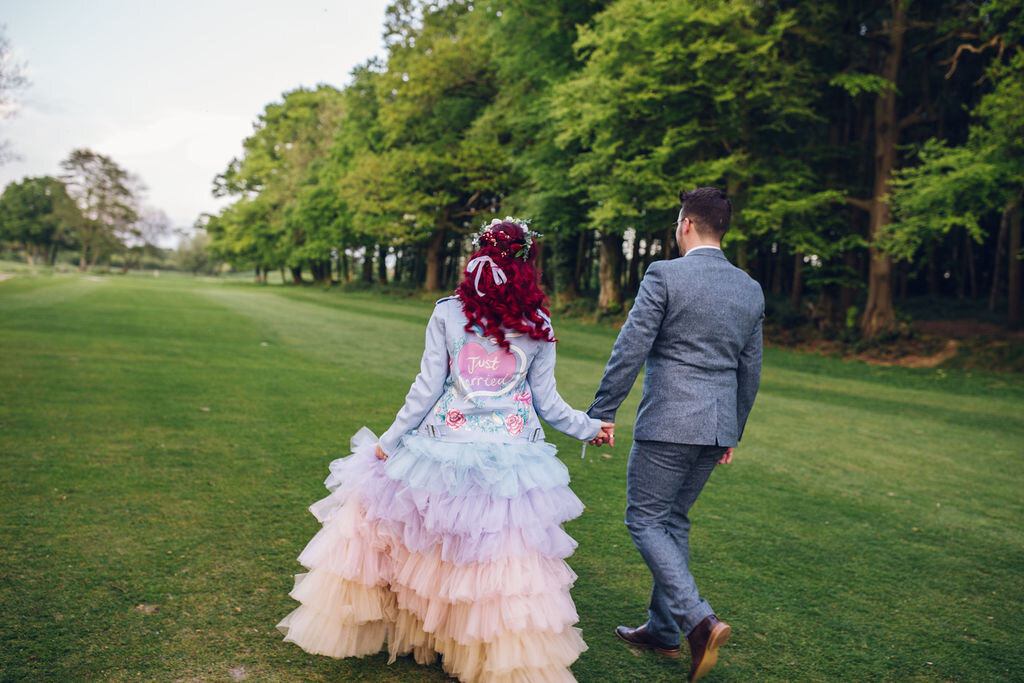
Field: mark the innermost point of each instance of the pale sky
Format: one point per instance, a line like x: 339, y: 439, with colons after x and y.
x: 170, y: 89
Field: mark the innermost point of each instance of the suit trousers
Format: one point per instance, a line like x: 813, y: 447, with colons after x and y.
x: 663, y: 481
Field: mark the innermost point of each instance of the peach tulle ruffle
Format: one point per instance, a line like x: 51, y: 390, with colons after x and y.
x: 452, y: 570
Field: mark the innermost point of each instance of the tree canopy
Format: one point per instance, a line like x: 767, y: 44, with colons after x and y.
x: 870, y: 149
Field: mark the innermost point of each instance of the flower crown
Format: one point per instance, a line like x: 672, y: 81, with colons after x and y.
x: 488, y: 236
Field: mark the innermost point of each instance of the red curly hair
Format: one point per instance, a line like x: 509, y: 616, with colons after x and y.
x: 518, y: 304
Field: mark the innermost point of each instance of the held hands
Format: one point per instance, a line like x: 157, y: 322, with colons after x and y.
x: 381, y: 455
x: 605, y: 436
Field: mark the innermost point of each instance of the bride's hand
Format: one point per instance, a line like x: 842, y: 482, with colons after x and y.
x: 381, y: 455
x: 605, y: 436
x: 609, y: 430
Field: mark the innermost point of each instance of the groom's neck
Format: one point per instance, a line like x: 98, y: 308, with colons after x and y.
x: 704, y: 243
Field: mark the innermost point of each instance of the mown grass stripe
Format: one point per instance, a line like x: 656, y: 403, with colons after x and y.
x: 870, y: 528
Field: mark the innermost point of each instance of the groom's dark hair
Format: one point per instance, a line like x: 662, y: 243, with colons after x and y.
x: 710, y: 210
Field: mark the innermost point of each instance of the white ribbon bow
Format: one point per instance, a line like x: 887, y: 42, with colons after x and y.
x: 497, y: 274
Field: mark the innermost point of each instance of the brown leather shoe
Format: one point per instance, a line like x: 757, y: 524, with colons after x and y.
x: 705, y: 640
x: 639, y: 637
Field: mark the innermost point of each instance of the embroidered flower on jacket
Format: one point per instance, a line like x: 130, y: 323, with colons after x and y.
x: 514, y: 424
x: 523, y: 397
x: 454, y: 419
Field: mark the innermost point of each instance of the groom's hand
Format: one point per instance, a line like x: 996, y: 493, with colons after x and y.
x: 605, y: 436
x: 727, y: 456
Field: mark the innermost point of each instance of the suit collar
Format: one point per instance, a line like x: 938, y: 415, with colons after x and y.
x: 713, y: 252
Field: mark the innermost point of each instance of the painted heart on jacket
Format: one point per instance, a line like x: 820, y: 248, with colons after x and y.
x: 487, y: 374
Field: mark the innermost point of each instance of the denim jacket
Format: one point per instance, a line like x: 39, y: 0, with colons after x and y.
x: 470, y: 389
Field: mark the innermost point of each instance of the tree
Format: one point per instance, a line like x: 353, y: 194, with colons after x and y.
x: 675, y: 95
x: 193, y: 254
x: 894, y: 56
x: 282, y: 159
x: 37, y: 214
x: 434, y: 172
x: 955, y: 186
x: 144, y: 236
x: 590, y: 115
x: 539, y: 185
x: 12, y: 80
x: 106, y: 196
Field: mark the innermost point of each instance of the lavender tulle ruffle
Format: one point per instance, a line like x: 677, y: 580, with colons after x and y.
x: 445, y: 549
x: 500, y: 470
x: 474, y: 504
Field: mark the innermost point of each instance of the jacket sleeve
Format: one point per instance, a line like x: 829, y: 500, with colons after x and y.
x: 748, y: 374
x: 550, y: 405
x: 632, y: 345
x: 427, y: 386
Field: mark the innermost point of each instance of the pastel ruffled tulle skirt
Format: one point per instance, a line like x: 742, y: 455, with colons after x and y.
x: 450, y: 549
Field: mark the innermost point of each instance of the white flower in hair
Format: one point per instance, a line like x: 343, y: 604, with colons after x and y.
x: 528, y: 235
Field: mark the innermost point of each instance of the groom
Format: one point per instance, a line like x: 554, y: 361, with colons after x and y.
x: 696, y: 324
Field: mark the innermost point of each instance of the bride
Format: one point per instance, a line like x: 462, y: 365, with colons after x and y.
x: 444, y: 538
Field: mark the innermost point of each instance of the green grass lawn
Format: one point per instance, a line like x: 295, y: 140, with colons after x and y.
x: 161, y: 439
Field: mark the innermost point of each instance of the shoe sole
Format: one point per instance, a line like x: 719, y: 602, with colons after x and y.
x: 719, y: 635
x: 670, y: 654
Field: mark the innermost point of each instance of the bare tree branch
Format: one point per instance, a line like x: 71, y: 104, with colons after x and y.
x: 954, y: 61
x: 864, y: 204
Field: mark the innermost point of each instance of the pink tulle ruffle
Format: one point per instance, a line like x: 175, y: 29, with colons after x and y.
x: 452, y: 567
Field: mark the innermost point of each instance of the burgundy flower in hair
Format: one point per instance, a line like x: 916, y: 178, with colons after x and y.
x: 500, y: 290
x: 488, y: 236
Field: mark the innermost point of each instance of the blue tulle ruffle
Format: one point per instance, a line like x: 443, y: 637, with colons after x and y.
x: 505, y: 470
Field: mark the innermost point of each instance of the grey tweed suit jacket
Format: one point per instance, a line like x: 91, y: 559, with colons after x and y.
x: 696, y: 324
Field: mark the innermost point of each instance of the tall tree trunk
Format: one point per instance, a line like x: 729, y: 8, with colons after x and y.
x: 961, y: 272
x: 651, y: 250
x: 28, y: 254
x: 396, y: 273
x: 432, y: 282
x: 382, y: 264
x: 541, y: 259
x: 367, y: 276
x: 258, y: 273
x: 633, y: 283
x: 796, y: 297
x: 82, y: 262
x: 879, y: 313
x: 823, y: 313
x: 572, y: 288
x: 997, y: 264
x: 742, y: 259
x: 608, y: 273
x: 777, y: 263
x: 1014, y: 279
x: 321, y: 269
x: 452, y: 257
x: 296, y: 274
x: 972, y: 271
x: 933, y: 271
x: 732, y: 189
x: 669, y: 247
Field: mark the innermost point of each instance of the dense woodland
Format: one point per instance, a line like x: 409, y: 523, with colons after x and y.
x: 873, y: 150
